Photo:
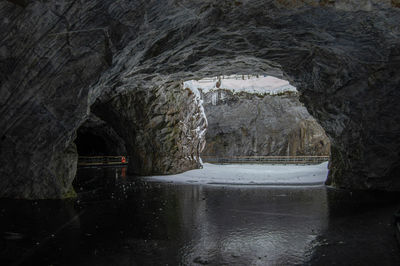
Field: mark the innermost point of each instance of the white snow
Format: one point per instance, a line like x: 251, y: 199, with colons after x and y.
x: 251, y: 174
x: 214, y: 98
x: 242, y: 83
x: 200, y: 130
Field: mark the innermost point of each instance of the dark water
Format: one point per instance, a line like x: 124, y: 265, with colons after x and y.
x: 120, y: 220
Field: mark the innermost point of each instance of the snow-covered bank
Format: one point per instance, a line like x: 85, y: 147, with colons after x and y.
x: 251, y: 174
x: 237, y: 83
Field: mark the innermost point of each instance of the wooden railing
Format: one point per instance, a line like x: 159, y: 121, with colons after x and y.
x: 267, y: 159
x: 102, y: 160
x: 122, y: 160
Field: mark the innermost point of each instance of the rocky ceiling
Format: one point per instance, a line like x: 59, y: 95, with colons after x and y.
x: 61, y: 59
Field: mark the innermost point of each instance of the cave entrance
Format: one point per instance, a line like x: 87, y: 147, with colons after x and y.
x: 98, y: 144
x: 258, y: 119
x: 99, y: 147
x: 90, y: 144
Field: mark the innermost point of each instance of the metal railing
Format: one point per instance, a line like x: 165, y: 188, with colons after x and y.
x: 101, y: 160
x: 267, y: 159
x: 122, y: 160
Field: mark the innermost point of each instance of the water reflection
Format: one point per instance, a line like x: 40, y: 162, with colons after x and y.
x: 123, y: 220
x: 33, y: 226
x: 250, y: 225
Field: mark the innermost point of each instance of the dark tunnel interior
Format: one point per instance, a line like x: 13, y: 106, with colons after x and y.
x: 89, y: 144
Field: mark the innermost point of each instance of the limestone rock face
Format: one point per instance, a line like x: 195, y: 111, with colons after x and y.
x: 246, y: 124
x: 59, y: 57
x: 163, y: 127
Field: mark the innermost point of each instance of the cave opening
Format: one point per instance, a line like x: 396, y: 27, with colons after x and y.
x: 259, y: 119
x: 99, y: 144
x: 90, y: 144
x: 98, y: 147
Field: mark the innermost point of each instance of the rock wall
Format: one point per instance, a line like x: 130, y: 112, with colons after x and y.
x: 57, y: 58
x: 45, y: 73
x: 40, y: 184
x: 163, y: 127
x: 246, y: 124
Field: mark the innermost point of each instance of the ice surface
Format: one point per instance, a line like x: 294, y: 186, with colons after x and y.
x: 251, y: 174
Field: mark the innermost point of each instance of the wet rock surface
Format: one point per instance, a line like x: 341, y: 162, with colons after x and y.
x: 245, y: 124
x: 58, y: 58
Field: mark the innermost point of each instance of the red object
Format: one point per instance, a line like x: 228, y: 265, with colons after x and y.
x: 123, y: 159
x: 123, y: 172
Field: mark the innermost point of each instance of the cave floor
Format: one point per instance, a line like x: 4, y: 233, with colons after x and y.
x: 126, y: 220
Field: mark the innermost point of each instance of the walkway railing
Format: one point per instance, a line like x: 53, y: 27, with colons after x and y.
x: 122, y: 160
x: 267, y: 159
x: 101, y: 160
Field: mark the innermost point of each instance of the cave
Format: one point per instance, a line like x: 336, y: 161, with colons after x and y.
x: 125, y: 62
x: 90, y: 144
x: 96, y: 138
x: 344, y: 65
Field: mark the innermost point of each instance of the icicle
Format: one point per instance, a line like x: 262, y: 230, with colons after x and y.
x: 214, y: 98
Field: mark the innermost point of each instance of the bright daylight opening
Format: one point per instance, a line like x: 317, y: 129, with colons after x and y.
x: 259, y: 133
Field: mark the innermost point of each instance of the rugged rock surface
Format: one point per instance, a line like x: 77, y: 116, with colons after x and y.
x: 64, y: 166
x: 45, y: 73
x: 41, y: 185
x: 245, y: 124
x: 163, y: 127
x: 58, y: 57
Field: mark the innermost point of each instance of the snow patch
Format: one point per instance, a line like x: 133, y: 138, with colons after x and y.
x: 242, y: 83
x: 214, y: 98
x: 199, y: 116
x: 251, y: 174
